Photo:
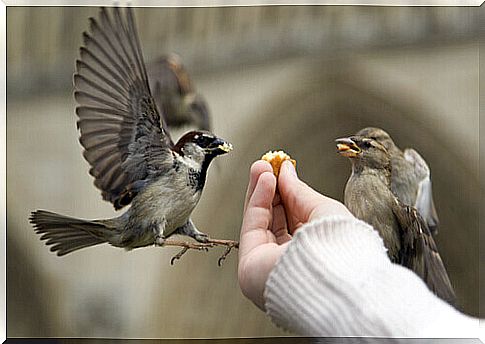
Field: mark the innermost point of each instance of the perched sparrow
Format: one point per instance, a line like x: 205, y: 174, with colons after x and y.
x: 132, y: 157
x: 410, y: 177
x: 175, y: 95
x: 405, y: 234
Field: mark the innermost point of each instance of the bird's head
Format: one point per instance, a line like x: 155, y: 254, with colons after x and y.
x: 364, y: 151
x: 379, y: 135
x: 201, y: 146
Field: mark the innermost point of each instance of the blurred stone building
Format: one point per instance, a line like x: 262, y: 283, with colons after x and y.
x: 289, y: 77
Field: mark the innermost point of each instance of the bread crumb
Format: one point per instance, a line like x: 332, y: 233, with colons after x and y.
x: 276, y: 158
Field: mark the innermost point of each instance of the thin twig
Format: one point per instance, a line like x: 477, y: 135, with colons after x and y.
x: 219, y: 242
x: 230, y: 244
x: 185, y: 247
x: 188, y: 245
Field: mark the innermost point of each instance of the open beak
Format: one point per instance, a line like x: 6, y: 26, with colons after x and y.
x: 347, y: 147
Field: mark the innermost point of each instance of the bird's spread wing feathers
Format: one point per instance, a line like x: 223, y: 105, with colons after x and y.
x: 118, y: 119
x: 419, y: 252
x: 424, y: 199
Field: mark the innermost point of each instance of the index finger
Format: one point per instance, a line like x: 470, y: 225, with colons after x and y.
x: 257, y: 168
x: 258, y: 214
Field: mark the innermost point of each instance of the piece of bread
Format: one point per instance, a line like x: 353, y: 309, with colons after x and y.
x: 276, y: 158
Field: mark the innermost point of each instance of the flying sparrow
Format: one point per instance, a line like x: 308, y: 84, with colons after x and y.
x: 132, y: 156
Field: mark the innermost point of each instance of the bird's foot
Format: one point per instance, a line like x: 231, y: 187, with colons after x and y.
x: 230, y: 244
x: 185, y: 247
x: 226, y: 252
x: 159, y: 240
x: 201, y: 237
x: 204, y: 243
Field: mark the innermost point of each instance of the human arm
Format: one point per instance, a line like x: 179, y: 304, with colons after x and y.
x: 331, y: 275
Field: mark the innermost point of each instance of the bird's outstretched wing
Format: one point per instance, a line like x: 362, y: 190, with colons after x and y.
x: 118, y: 119
x: 419, y: 252
x: 175, y: 94
x: 424, y: 199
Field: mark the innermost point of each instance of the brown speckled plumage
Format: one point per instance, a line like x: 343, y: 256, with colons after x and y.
x: 411, y: 177
x: 405, y: 234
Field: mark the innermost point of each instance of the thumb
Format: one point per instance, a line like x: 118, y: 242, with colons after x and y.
x: 301, y: 202
x: 298, y: 198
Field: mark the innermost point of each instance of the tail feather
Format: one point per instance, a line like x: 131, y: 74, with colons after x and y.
x: 70, y: 246
x: 64, y: 235
x: 67, y: 234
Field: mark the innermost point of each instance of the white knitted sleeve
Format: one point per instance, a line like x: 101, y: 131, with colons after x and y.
x: 335, y: 279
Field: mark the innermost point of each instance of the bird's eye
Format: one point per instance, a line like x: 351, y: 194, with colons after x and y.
x: 203, y: 140
x: 367, y: 143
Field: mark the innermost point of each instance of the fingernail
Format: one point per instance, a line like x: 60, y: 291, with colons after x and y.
x: 289, y: 167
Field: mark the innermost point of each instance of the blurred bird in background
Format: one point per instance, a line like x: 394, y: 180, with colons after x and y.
x: 175, y: 95
x: 405, y: 234
x: 132, y: 156
x: 410, y: 177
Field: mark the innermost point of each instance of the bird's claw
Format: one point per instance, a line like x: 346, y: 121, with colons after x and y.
x: 230, y: 244
x: 185, y: 247
x: 159, y: 240
x: 226, y: 252
x: 202, y: 237
x: 178, y: 255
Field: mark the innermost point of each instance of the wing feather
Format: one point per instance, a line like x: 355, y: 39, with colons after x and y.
x: 108, y: 38
x: 424, y: 199
x: 82, y: 83
x: 118, y: 119
x: 419, y: 252
x: 100, y: 61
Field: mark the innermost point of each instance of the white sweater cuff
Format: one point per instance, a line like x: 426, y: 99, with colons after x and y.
x: 335, y: 279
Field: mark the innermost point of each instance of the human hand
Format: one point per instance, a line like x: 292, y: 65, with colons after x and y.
x: 271, y: 218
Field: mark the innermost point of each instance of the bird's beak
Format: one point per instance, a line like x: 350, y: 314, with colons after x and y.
x: 347, y: 147
x: 219, y: 147
x: 226, y: 147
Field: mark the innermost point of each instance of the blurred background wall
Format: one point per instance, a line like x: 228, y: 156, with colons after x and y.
x: 289, y: 77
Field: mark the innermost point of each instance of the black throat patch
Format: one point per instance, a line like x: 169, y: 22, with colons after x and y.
x: 197, y: 177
